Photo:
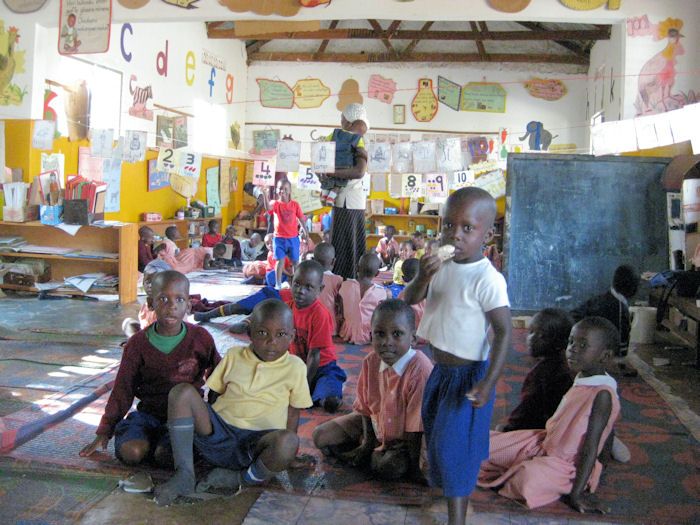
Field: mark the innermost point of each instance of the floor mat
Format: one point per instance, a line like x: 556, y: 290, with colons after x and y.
x: 35, y: 494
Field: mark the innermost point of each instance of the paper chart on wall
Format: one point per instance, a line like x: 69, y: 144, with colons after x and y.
x: 449, y: 154
x: 424, y: 156
x: 157, y: 179
x: 42, y: 137
x: 185, y: 186
x: 264, y: 172
x: 412, y: 185
x: 395, y: 183
x: 84, y: 26
x: 646, y: 132
x: 134, y: 146
x: 308, y: 199
x: 402, y: 158
x: 379, y: 182
x: 213, y: 189
x: 379, y: 157
x: 88, y: 166
x: 101, y: 143
x: 436, y: 187
x: 190, y: 163
x: 462, y: 179
x: 307, y: 180
x: 288, y: 152
x: 112, y: 175
x: 225, y: 181
x: 323, y: 157
x: 54, y: 161
x: 493, y: 182
x: 2, y: 147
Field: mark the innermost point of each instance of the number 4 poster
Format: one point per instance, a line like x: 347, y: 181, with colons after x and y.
x: 84, y: 26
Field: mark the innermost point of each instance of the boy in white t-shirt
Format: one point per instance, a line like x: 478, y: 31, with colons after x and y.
x: 465, y: 296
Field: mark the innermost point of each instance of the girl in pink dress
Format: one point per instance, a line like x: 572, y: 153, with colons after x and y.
x: 188, y: 260
x: 357, y: 300
x: 538, y: 467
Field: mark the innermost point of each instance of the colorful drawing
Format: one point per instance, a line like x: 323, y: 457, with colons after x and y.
x: 478, y: 148
x: 349, y: 93
x: 180, y: 132
x: 483, y: 96
x: 186, y: 4
x: 658, y: 75
x: 587, y: 5
x: 164, y: 132
x: 268, y: 7
x: 157, y: 179
x: 235, y: 142
x: 449, y: 93
x: 381, y: 88
x: 640, y: 26
x: 112, y: 175
x: 313, y: 3
x: 11, y: 62
x: 540, y: 138
x: 140, y: 97
x: 84, y: 26
x: 310, y: 93
x: 275, y: 94
x: 547, y: 89
x: 424, y: 105
x: 265, y: 139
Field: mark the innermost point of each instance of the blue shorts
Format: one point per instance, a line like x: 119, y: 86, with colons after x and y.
x: 142, y: 427
x: 395, y: 289
x: 456, y: 433
x: 271, y: 279
x: 328, y: 382
x: 286, y: 247
x: 228, y: 446
x: 258, y: 297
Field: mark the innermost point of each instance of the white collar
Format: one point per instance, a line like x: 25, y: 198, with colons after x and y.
x: 617, y: 295
x: 400, y: 365
x: 329, y: 272
x: 598, y: 380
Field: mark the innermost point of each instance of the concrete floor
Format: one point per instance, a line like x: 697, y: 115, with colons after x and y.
x: 65, y: 320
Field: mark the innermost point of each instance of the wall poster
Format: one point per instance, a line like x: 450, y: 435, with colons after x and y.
x: 483, y: 96
x: 275, y: 94
x: 84, y: 26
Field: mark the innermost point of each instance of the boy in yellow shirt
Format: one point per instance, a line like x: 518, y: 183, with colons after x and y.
x: 249, y: 425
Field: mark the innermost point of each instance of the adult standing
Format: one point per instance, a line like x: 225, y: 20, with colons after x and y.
x: 348, y: 226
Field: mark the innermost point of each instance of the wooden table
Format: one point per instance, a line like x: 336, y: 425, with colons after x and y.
x: 688, y: 308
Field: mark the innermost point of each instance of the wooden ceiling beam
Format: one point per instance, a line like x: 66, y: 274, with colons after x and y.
x: 479, y: 43
x: 378, y: 29
x: 255, y: 46
x: 413, y: 43
x: 406, y: 34
x: 417, y: 57
x: 324, y: 44
x: 571, y: 46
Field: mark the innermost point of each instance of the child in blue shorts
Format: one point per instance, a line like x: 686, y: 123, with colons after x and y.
x: 166, y: 353
x: 287, y: 214
x: 248, y: 428
x: 465, y: 297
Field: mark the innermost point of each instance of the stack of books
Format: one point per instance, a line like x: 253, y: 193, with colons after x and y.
x: 11, y: 243
x: 78, y: 187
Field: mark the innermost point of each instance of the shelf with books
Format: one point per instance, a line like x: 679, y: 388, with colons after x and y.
x: 403, y: 223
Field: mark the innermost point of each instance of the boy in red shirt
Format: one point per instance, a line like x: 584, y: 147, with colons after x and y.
x: 313, y: 341
x: 212, y: 237
x: 287, y: 214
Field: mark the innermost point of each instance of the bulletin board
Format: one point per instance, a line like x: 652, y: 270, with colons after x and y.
x: 572, y: 219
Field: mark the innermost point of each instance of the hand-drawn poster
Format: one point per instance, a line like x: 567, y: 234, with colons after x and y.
x: 462, y: 179
x: 412, y: 185
x: 84, y: 26
x: 234, y: 178
x: 436, y: 187
x: 164, y: 132
x: 310, y: 93
x: 288, y: 155
x: 88, y: 166
x: 101, y: 143
x: 54, y: 161
x: 424, y: 156
x: 179, y: 132
x: 323, y: 157
x: 308, y: 199
x: 449, y: 93
x: 308, y: 180
x: 424, y: 105
x: 483, y: 96
x: 225, y: 181
x: 134, y: 146
x: 213, y: 189
x: 185, y: 186
x: 546, y: 89
x: 157, y: 179
x: 381, y: 88
x: 42, y: 136
x: 449, y: 154
x: 190, y: 163
x: 264, y: 172
x: 275, y: 94
x: 265, y: 139
x: 168, y: 160
x: 379, y: 157
x: 112, y: 175
x: 493, y: 182
x: 402, y: 158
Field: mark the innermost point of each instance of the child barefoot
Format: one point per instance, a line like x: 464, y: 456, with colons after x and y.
x: 248, y: 428
x: 537, y: 467
x: 465, y: 297
x: 167, y: 353
x: 547, y: 382
x: 385, y: 430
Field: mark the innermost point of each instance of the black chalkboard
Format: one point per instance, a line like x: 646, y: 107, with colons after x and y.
x: 572, y: 219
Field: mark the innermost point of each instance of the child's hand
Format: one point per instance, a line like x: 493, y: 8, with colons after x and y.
x: 584, y: 503
x: 479, y: 395
x: 428, y: 266
x: 98, y: 442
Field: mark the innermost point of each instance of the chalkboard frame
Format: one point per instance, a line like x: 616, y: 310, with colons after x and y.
x: 547, y: 260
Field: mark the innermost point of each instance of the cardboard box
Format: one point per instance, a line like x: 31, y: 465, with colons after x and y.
x: 23, y: 214
x: 51, y: 215
x: 151, y: 217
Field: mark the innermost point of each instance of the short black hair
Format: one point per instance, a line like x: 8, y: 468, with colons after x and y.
x: 310, y: 266
x: 475, y: 195
x: 396, y: 306
x: 626, y: 280
x: 157, y: 249
x: 270, y: 308
x: 220, y: 247
x: 418, y: 235
x: 556, y: 324
x: 368, y: 265
x: 212, y: 222
x: 143, y: 230
x: 610, y: 333
x: 171, y: 231
x: 163, y: 278
x: 388, y: 226
x: 324, y: 252
x: 409, y: 268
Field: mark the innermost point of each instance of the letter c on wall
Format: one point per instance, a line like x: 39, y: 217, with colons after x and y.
x: 125, y: 28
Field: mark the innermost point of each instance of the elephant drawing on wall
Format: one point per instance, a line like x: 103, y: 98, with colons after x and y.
x: 540, y: 138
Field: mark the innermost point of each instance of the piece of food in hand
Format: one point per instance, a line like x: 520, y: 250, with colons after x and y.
x: 445, y: 252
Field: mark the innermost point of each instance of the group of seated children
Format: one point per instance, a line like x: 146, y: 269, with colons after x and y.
x: 249, y: 432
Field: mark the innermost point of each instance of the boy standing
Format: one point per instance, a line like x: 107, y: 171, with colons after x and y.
x: 167, y: 353
x: 249, y: 425
x: 287, y: 214
x: 385, y: 428
x: 465, y: 297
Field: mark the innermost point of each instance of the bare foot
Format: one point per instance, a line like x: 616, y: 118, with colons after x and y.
x: 303, y: 461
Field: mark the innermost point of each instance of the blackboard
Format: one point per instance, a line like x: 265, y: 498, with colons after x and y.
x: 572, y: 219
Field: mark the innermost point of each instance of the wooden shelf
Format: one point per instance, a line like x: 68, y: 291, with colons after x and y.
x: 57, y: 257
x: 75, y: 291
x: 405, y: 216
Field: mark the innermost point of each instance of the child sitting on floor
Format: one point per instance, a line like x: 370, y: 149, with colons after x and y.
x: 388, y: 247
x: 410, y: 270
x: 144, y: 250
x: 384, y: 430
x: 189, y: 259
x: 230, y: 238
x: 172, y: 234
x: 324, y: 254
x: 159, y: 251
x: 248, y: 428
x: 406, y: 251
x: 251, y: 248
x: 146, y: 315
x: 418, y: 241
x: 538, y: 467
x: 547, y: 382
x: 167, y: 353
x: 357, y: 299
x: 218, y: 260
x: 212, y: 237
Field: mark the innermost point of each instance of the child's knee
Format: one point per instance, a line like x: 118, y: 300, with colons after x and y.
x: 320, y: 436
x: 181, y: 392
x: 133, y: 452
x: 286, y: 445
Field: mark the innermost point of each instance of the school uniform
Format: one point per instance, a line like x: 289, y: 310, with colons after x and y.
x: 356, y: 324
x: 209, y: 240
x: 331, y: 286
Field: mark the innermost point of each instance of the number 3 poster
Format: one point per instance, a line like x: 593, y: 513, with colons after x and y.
x: 84, y: 26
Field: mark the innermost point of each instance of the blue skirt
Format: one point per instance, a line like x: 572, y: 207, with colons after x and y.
x: 456, y: 433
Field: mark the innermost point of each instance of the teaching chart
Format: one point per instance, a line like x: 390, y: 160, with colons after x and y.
x: 449, y: 93
x: 310, y: 93
x: 483, y: 96
x: 275, y: 94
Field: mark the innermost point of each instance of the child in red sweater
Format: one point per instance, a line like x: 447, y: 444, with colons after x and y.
x: 212, y: 237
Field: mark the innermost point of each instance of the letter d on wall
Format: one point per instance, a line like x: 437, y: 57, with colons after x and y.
x: 162, y: 61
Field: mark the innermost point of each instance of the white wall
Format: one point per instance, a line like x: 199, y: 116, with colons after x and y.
x: 565, y: 117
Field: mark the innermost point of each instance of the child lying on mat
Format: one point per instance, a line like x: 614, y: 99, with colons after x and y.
x: 385, y: 429
x: 357, y: 299
x: 538, y: 467
x: 248, y: 428
x: 167, y: 353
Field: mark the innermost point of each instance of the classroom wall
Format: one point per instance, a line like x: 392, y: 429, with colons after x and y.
x: 606, y: 76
